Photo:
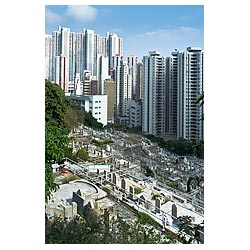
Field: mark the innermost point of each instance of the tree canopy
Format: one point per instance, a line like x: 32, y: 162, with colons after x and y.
x: 93, y: 229
x: 56, y: 131
x: 82, y: 154
x: 56, y: 105
x: 180, y: 146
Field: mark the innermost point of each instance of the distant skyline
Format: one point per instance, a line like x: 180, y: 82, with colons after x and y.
x: 143, y: 28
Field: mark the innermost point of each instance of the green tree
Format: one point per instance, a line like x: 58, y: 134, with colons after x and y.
x: 68, y: 152
x: 56, y: 105
x: 93, y: 229
x: 92, y: 122
x: 82, y: 155
x: 149, y: 172
x: 74, y: 115
x: 56, y: 131
x: 55, y: 142
x: 50, y: 185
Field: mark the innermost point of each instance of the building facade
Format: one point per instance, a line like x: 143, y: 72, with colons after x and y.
x: 102, y: 72
x: 109, y: 90
x: 154, y: 94
x: 96, y: 104
x: 184, y: 85
x: 190, y: 122
x: 172, y: 71
x: 135, y: 114
x: 89, y: 49
x: 123, y: 92
x: 48, y: 57
x: 115, y: 47
x: 61, y: 72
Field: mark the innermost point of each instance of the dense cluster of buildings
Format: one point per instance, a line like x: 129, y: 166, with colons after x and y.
x: 157, y: 94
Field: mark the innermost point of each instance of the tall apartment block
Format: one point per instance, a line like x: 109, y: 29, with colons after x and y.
x: 138, y: 83
x: 115, y: 47
x: 172, y: 94
x: 61, y: 72
x: 132, y: 62
x: 190, y: 113
x: 184, y: 84
x: 123, y: 92
x: 60, y: 47
x: 102, y: 73
x: 89, y: 49
x: 153, y: 94
x: 48, y: 57
x: 79, y: 55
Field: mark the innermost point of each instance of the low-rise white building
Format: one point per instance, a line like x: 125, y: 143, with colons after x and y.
x: 96, y: 104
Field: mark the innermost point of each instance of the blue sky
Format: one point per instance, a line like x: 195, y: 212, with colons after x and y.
x: 143, y: 27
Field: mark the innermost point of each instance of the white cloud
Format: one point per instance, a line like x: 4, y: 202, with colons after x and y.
x: 164, y: 40
x: 188, y: 29
x: 186, y: 18
x: 172, y: 34
x: 81, y: 13
x: 150, y: 33
x: 52, y: 18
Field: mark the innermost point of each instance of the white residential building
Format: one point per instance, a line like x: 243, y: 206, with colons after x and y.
x: 79, y: 55
x: 72, y: 56
x: 48, y: 57
x: 61, y: 73
x: 55, y: 50
x: 132, y: 62
x: 104, y: 46
x: 115, y: 47
x: 123, y: 91
x: 89, y: 50
x: 172, y: 94
x: 102, y: 73
x: 154, y: 94
x: 60, y: 45
x: 96, y: 104
x: 190, y: 123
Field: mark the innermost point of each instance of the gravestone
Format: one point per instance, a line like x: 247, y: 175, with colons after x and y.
x: 123, y: 185
x: 174, y: 212
x: 157, y: 205
x: 110, y: 177
x: 131, y: 192
x: 114, y: 178
x: 105, y: 174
